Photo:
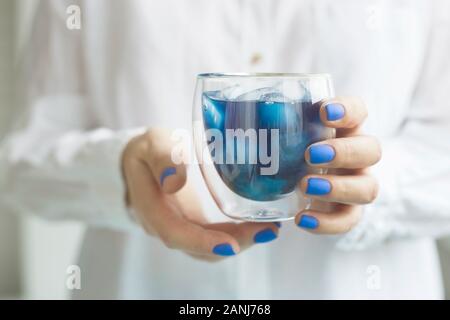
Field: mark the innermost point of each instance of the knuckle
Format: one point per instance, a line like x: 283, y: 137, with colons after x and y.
x: 374, y: 191
x: 341, y: 226
x: 345, y: 227
x: 357, y: 111
x: 378, y: 150
x: 371, y: 192
x: 131, y: 165
x: 355, y: 217
x: 351, y: 220
x: 150, y: 135
x: 153, y: 137
x: 127, y: 157
x: 353, y: 120
x: 362, y: 107
x: 374, y: 145
x: 129, y: 152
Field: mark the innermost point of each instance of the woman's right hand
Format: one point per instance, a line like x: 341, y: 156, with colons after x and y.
x: 168, y: 208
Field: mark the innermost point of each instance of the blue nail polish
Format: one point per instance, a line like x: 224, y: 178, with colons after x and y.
x: 308, y: 222
x: 278, y: 224
x: 223, y: 249
x: 321, y: 153
x: 318, y: 186
x: 265, y: 235
x: 335, y: 111
x: 167, y: 172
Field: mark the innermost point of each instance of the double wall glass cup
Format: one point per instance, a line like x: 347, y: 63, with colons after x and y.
x: 251, y: 132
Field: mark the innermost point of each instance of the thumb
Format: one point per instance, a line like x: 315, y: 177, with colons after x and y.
x: 170, y: 176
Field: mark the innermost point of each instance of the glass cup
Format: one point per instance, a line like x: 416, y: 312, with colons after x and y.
x: 250, y: 135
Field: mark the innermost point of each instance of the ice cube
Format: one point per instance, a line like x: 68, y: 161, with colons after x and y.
x: 269, y: 94
x: 278, y: 91
x: 249, y: 90
x: 274, y: 96
x: 294, y: 90
x: 230, y: 93
x: 217, y: 94
x: 235, y: 92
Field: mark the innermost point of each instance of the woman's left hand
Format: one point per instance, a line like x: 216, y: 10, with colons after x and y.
x: 338, y: 195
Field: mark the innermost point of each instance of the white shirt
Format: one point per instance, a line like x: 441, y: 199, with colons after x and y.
x: 133, y: 65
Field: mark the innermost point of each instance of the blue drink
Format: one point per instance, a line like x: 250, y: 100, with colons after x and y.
x: 298, y: 125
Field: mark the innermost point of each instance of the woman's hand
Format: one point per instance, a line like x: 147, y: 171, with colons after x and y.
x: 338, y: 195
x: 167, y: 207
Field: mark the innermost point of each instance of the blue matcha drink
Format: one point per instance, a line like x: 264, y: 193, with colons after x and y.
x: 291, y: 125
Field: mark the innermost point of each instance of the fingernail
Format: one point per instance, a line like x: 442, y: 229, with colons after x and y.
x: 223, y: 249
x: 167, y: 172
x: 335, y: 111
x: 265, y: 235
x: 278, y: 224
x: 321, y: 153
x: 308, y: 222
x: 318, y: 186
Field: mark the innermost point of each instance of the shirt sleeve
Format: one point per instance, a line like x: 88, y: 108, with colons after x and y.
x: 60, y: 164
x: 414, y: 174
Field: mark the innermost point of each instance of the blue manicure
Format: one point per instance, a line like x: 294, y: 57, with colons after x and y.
x: 265, y: 236
x: 278, y: 224
x: 224, y: 249
x: 335, y: 111
x: 308, y: 222
x: 167, y: 172
x: 318, y: 186
x: 321, y: 153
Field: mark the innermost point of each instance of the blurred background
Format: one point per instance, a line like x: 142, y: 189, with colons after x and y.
x: 35, y: 254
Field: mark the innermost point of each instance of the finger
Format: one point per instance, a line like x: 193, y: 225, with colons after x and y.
x: 356, y: 189
x: 343, y: 112
x: 249, y: 233
x: 193, y: 211
x: 160, y: 217
x: 341, y: 220
x: 225, y: 239
x: 178, y: 233
x: 174, y: 230
x: 170, y: 176
x: 348, y: 153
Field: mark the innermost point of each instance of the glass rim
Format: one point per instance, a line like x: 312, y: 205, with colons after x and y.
x: 219, y: 75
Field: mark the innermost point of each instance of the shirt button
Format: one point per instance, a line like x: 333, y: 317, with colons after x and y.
x: 256, y: 58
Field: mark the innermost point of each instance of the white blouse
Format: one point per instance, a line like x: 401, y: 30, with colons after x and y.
x: 133, y: 65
